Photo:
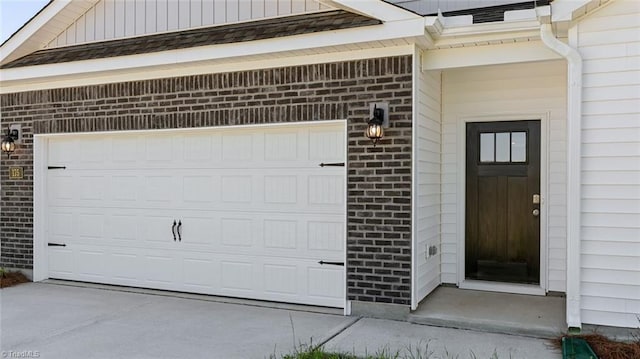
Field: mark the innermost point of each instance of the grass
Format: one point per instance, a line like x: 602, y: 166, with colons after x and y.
x: 418, y: 352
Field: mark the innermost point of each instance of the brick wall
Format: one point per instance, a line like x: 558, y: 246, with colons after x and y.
x: 379, y: 179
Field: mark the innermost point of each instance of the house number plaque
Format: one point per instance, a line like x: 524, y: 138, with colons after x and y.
x: 16, y: 173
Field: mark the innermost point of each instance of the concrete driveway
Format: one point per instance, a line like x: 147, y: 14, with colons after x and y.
x: 61, y: 321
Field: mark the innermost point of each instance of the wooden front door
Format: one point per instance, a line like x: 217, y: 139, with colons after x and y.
x: 503, y: 202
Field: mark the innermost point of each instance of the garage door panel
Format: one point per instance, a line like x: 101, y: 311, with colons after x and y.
x: 281, y: 234
x: 60, y: 224
x: 61, y: 188
x: 61, y: 263
x: 257, y: 212
x: 201, y: 273
x: 200, y: 230
x: 237, y: 189
x: 201, y: 189
x: 160, y: 267
x: 280, y: 189
x: 326, y: 145
x: 237, y: 147
x: 237, y: 232
x: 125, y: 188
x: 158, y: 228
x: 322, y: 282
x: 279, y: 146
x: 90, y: 226
x: 124, y: 263
x: 281, y: 279
x: 124, y: 226
x: 92, y: 151
x: 91, y: 263
x: 159, y: 149
x: 325, y: 190
x: 201, y: 148
x: 91, y: 187
x: 237, y: 276
x: 159, y: 188
x: 62, y: 150
x: 124, y: 150
x: 326, y: 236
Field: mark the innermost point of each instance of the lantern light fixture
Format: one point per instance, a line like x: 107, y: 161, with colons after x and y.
x: 10, y: 140
x: 379, y: 113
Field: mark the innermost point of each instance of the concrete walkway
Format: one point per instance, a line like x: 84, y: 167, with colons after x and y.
x: 60, y: 321
x: 528, y: 315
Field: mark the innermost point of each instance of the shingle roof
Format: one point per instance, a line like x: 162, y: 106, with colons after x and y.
x: 214, y: 35
x: 495, y: 13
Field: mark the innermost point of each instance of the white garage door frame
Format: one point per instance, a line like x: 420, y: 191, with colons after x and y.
x: 40, y: 198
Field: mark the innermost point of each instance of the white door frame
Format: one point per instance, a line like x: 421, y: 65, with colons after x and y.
x: 40, y: 159
x: 464, y: 283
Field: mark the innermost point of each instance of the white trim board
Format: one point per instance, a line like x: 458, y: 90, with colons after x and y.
x: 414, y: 187
x: 377, y: 34
x: 462, y: 282
x: 487, y: 55
x: 41, y: 154
x: 239, y: 64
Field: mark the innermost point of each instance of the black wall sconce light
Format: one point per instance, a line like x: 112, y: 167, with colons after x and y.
x: 379, y: 114
x: 10, y: 140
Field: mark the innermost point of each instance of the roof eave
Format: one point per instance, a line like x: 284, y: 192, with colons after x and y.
x: 39, y: 30
x: 407, y: 32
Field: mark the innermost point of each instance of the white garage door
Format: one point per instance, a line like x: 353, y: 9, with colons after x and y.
x: 254, y: 211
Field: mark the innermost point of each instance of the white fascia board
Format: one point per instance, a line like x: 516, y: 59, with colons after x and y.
x: 376, y: 9
x: 564, y: 10
x: 410, y: 29
x: 227, y: 65
x: 31, y: 28
x: 456, y: 36
x: 487, y: 55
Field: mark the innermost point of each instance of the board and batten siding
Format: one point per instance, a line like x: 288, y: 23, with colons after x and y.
x: 609, y: 42
x: 509, y: 91
x: 114, y: 19
x: 428, y: 143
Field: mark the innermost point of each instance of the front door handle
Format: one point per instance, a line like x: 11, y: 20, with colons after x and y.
x: 179, y: 234
x: 536, y: 212
x: 173, y: 230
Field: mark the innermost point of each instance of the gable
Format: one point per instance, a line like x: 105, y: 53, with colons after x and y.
x: 115, y: 19
x: 212, y: 35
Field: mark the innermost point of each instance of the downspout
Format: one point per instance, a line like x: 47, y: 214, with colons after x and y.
x: 574, y: 116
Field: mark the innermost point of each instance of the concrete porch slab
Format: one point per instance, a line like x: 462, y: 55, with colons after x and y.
x: 528, y: 315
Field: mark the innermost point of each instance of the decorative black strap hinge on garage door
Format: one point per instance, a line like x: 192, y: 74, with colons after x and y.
x: 56, y: 167
x: 56, y: 244
x: 331, y: 263
x: 335, y: 164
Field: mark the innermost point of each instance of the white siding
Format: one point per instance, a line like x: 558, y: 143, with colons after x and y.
x: 506, y: 90
x: 428, y: 144
x: 112, y: 19
x: 609, y: 41
x: 432, y: 6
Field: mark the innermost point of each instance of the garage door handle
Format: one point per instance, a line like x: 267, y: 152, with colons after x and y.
x: 331, y: 263
x: 173, y: 230
x: 179, y: 235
